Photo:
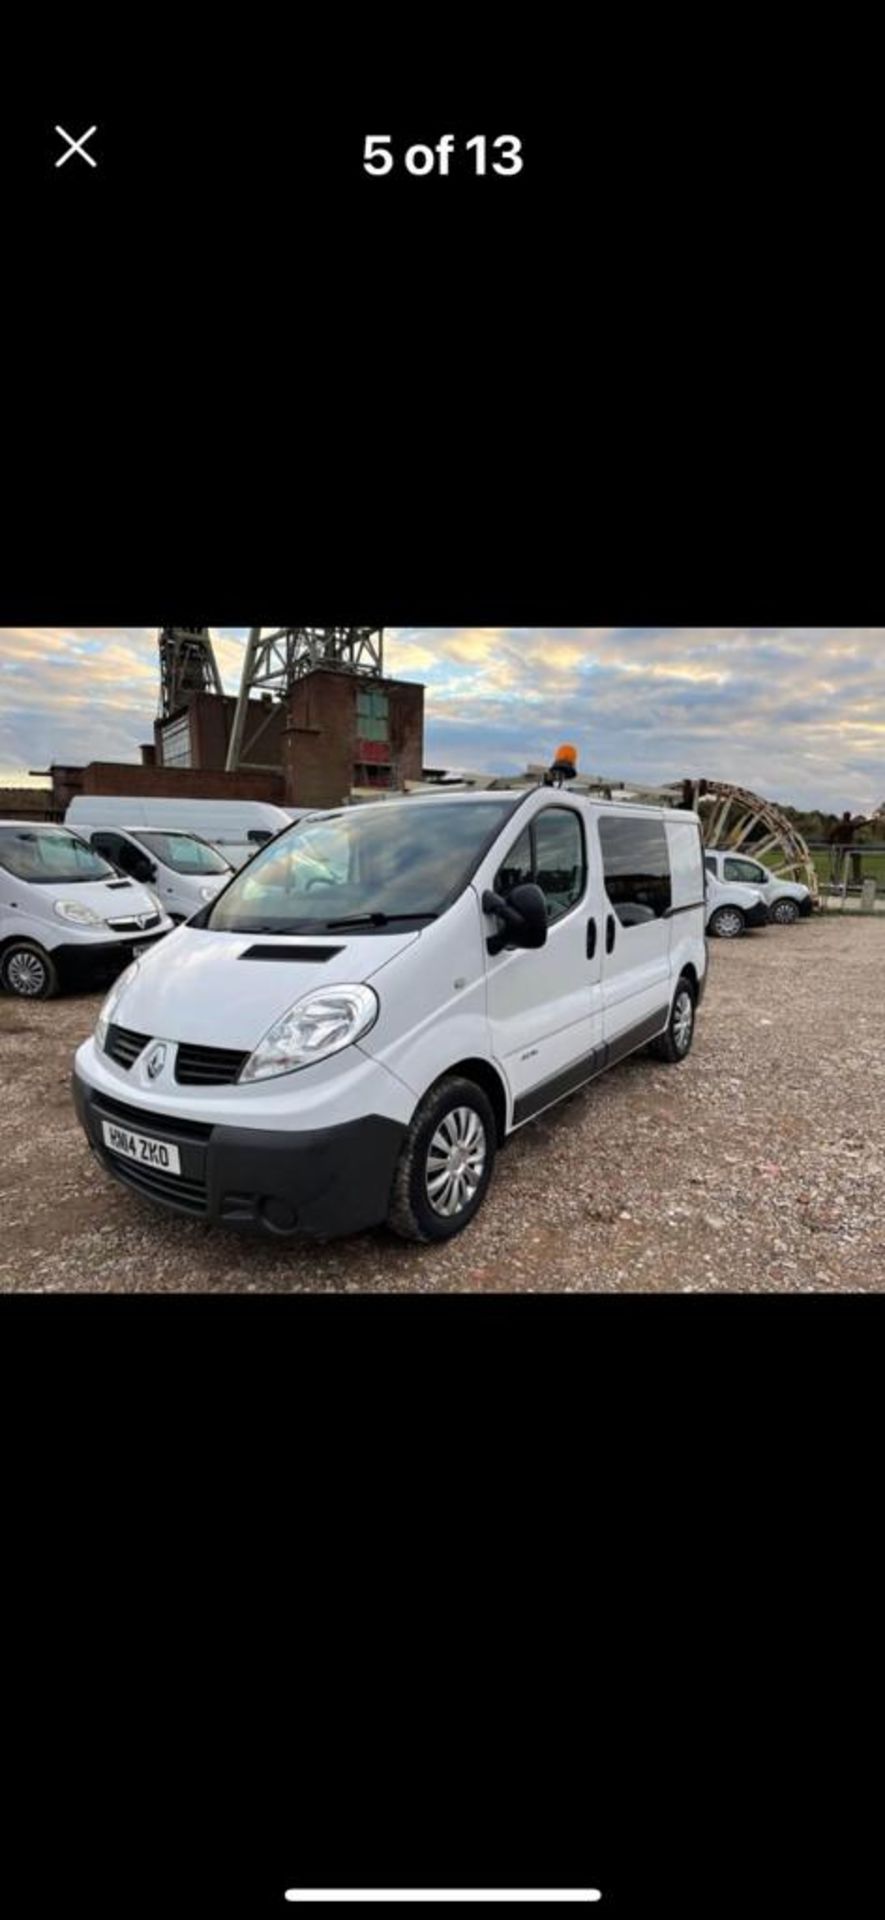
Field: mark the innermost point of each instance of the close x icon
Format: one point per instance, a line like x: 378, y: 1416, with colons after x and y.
x: 75, y: 146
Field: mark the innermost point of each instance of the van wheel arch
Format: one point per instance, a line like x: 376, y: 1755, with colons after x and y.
x: 674, y: 1044
x: 487, y: 1077
x: 456, y: 1116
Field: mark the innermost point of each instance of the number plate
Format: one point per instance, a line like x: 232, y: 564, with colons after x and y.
x: 138, y: 1146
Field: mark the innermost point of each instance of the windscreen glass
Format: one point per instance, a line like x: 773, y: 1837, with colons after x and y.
x: 183, y: 853
x: 365, y: 866
x: 46, y: 854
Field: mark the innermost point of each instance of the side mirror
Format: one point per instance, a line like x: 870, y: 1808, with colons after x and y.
x: 144, y: 870
x: 524, y: 913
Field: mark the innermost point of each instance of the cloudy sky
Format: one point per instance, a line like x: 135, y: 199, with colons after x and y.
x: 798, y: 714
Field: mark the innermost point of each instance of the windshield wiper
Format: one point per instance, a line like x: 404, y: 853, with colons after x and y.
x: 375, y: 920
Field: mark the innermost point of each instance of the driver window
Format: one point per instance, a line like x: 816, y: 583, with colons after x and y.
x: 551, y: 853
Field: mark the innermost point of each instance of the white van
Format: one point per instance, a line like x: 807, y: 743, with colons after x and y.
x: 66, y: 918
x: 236, y: 827
x: 348, y: 1034
x: 184, y: 870
x: 732, y: 908
x: 786, y: 900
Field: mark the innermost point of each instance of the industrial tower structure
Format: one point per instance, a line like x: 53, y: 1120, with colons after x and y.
x: 276, y: 660
x: 187, y: 666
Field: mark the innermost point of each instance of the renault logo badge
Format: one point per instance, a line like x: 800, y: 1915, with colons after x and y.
x: 156, y: 1060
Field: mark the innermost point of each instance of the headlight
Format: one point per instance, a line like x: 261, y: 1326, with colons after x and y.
x: 109, y: 1004
x: 208, y: 893
x: 320, y: 1024
x: 77, y: 911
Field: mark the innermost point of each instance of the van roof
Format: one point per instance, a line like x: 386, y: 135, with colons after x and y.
x: 448, y: 797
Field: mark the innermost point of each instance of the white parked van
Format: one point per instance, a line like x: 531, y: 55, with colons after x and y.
x: 732, y: 908
x: 786, y: 900
x: 348, y: 1034
x: 184, y: 870
x: 236, y: 827
x: 66, y: 917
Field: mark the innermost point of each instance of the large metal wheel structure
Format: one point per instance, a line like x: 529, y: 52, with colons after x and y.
x: 735, y: 819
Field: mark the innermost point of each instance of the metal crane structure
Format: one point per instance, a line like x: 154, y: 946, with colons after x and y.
x: 187, y: 666
x: 275, y: 659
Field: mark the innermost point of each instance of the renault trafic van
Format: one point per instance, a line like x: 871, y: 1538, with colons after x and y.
x: 348, y: 1039
x: 66, y: 917
x: 183, y: 870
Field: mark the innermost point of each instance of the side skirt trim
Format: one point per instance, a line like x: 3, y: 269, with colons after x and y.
x: 560, y: 1085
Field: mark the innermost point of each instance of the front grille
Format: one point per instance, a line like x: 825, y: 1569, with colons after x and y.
x: 124, y: 1046
x: 134, y: 924
x: 207, y: 1066
x: 168, y: 1127
x: 188, y: 1194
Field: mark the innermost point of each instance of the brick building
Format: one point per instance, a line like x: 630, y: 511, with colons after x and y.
x: 347, y: 732
x: 335, y: 735
x: 199, y: 735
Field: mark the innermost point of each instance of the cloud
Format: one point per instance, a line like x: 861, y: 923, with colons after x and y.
x: 796, y: 712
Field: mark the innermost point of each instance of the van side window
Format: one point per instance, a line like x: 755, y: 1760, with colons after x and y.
x: 121, y: 853
x: 637, y: 868
x: 112, y: 847
x: 549, y: 852
x: 710, y: 862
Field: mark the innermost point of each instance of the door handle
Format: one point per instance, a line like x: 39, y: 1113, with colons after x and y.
x: 591, y: 939
x: 610, y: 933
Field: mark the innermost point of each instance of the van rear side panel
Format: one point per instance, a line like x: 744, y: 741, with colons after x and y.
x: 688, y: 912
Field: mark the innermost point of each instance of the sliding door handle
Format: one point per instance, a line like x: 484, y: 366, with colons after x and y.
x: 591, y: 939
x: 609, y: 933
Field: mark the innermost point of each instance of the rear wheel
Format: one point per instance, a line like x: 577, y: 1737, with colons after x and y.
x: 785, y: 912
x: 28, y: 972
x: 446, y: 1162
x: 727, y: 923
x: 675, y: 1042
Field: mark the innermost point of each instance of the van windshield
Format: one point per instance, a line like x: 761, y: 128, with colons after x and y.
x: 46, y: 854
x: 364, y: 867
x: 183, y: 853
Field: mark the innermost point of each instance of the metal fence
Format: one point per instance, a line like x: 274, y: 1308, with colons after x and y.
x: 854, y: 875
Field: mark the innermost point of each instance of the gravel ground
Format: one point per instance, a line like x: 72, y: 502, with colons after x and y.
x: 758, y: 1164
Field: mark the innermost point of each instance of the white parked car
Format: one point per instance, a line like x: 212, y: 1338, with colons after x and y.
x: 184, y: 870
x: 66, y: 917
x: 786, y: 900
x: 732, y: 908
x: 349, y: 1032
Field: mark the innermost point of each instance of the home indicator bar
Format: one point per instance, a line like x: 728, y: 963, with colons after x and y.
x: 442, y: 1896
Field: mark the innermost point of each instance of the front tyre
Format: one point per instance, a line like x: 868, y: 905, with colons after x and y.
x: 785, y: 912
x: 28, y: 972
x: 446, y: 1162
x: 727, y: 923
x: 675, y: 1042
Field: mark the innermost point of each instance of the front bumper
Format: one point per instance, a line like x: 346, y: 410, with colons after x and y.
x: 325, y: 1182
x: 757, y: 916
x: 97, y: 962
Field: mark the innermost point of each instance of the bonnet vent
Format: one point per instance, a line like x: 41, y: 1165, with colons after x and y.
x: 291, y: 953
